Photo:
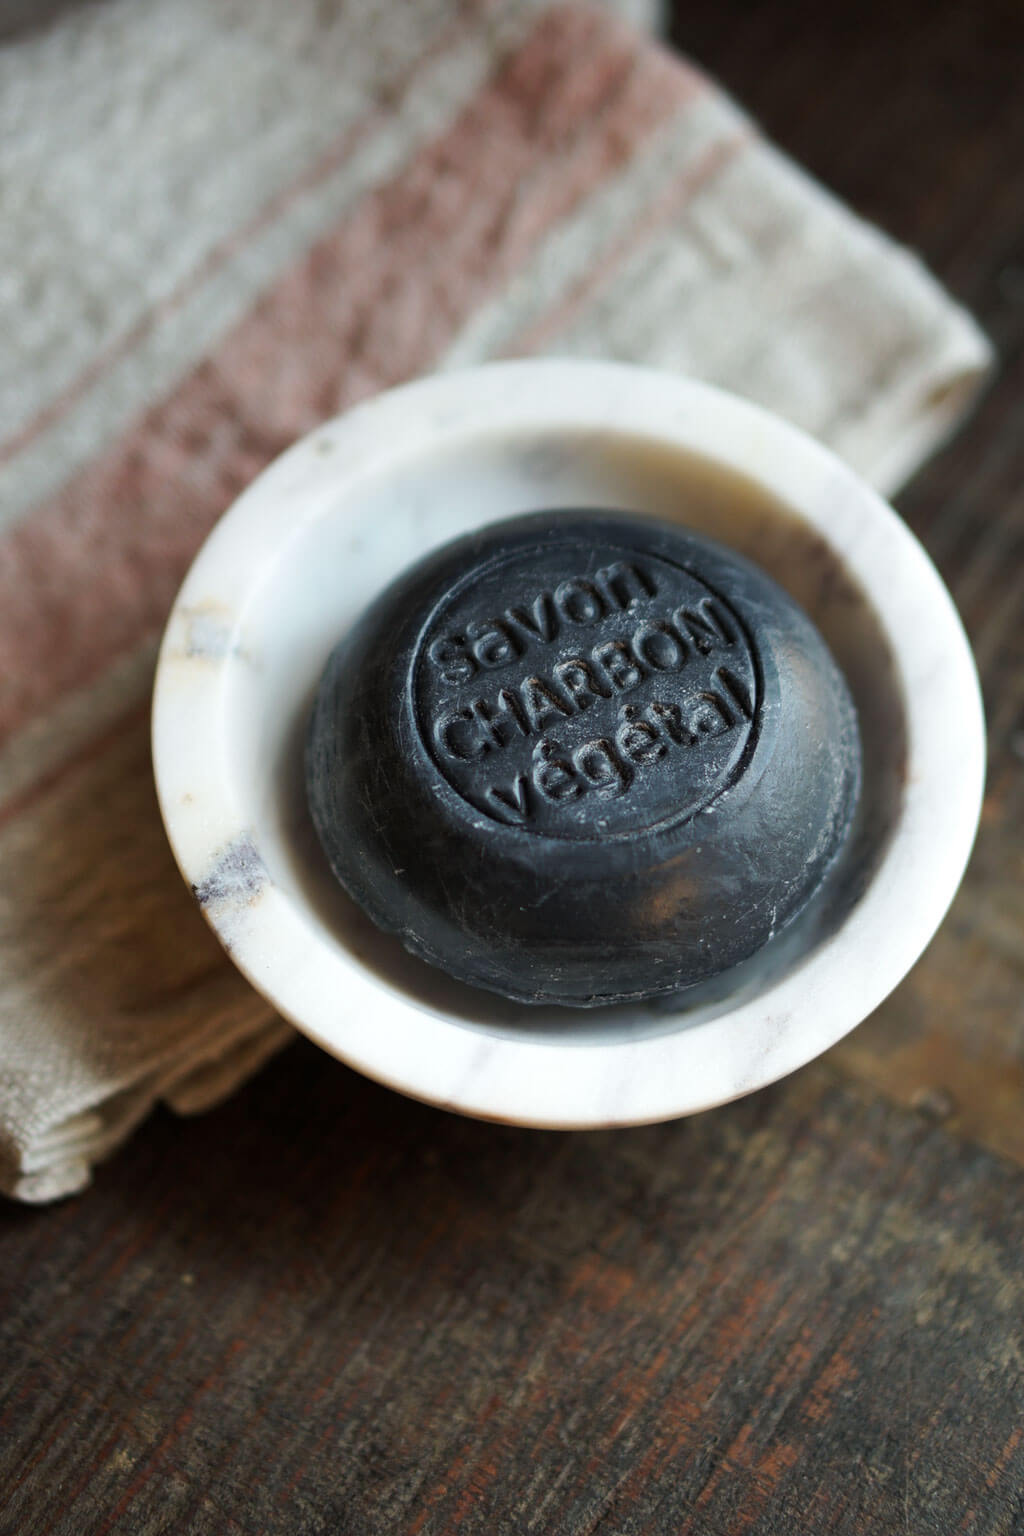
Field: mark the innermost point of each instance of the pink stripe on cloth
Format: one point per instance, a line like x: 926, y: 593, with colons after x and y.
x: 669, y: 206
x: 94, y: 570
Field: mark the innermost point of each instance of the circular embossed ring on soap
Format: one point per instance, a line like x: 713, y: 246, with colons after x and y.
x: 583, y: 757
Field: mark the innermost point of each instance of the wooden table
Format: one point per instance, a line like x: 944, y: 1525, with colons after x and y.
x: 326, y: 1309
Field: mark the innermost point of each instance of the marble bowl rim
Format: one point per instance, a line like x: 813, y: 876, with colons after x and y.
x: 267, y: 930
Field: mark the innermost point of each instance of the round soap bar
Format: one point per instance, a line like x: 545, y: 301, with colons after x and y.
x: 581, y: 758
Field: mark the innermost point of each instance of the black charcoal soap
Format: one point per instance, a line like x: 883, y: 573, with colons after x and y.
x: 582, y: 757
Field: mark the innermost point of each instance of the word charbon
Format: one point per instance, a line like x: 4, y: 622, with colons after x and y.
x: 577, y: 683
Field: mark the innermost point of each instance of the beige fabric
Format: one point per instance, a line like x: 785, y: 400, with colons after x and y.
x: 226, y: 220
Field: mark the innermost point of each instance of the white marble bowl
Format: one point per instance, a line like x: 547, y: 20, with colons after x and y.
x: 308, y: 545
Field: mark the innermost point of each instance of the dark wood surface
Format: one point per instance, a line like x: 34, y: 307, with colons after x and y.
x: 323, y: 1308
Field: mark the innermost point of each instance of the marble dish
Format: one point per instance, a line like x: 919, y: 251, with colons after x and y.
x: 305, y: 548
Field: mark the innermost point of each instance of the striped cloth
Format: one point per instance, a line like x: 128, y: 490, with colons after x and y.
x: 227, y: 219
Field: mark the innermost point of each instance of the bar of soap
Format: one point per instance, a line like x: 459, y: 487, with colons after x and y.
x: 582, y: 758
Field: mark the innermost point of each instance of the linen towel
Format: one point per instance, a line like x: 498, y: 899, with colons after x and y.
x: 225, y: 220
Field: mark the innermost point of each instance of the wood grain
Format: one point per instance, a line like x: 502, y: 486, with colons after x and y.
x: 326, y: 1309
